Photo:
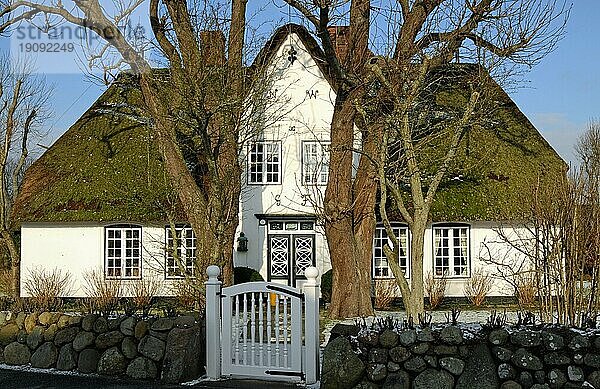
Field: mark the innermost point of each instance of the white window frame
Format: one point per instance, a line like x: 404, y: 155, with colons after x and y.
x: 315, y: 162
x: 123, y: 251
x: 186, y: 250
x: 264, y: 165
x: 452, y: 250
x: 380, y: 266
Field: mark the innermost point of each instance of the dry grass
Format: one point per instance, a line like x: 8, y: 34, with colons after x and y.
x: 46, y: 287
x: 526, y: 289
x: 478, y: 287
x: 385, y: 293
x: 435, y: 287
x: 142, y: 293
x: 189, y: 294
x: 102, y: 295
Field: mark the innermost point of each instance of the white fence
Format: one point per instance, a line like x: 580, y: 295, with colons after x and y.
x: 262, y: 330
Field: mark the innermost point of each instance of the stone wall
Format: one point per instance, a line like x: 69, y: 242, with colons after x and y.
x: 455, y: 357
x: 171, y: 349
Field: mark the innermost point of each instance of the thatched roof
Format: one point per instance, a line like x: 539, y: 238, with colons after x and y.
x: 107, y: 167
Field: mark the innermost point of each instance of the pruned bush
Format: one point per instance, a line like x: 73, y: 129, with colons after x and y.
x: 385, y: 293
x: 525, y: 289
x: 478, y: 287
x: 102, y: 295
x: 245, y: 274
x: 435, y: 287
x: 143, y: 292
x: 326, y: 285
x: 46, y: 287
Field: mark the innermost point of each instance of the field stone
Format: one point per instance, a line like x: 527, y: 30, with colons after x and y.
x: 376, y: 372
x: 141, y: 329
x: 114, y: 323
x: 498, y: 337
x: 594, y: 378
x: 100, y: 325
x: 185, y: 321
x: 433, y: 379
x: 556, y: 379
x: 510, y: 385
x: 162, y: 324
x: 31, y: 322
x: 592, y: 360
x: 142, y: 368
x: 16, y: 354
x: 552, y: 342
x: 539, y: 376
x: 369, y: 338
x: 366, y: 384
x: 393, y: 367
x: 129, y: 348
x: 579, y: 342
x: 388, y: 339
x: 444, y: 349
x: 407, y: 338
x: 88, y: 360
x: 67, y: 358
x: 182, y: 360
x: 63, y: 321
x: 454, y: 365
x: 502, y: 353
x: 426, y: 335
x: 340, y: 329
x: 523, y: 359
x: 420, y: 348
x: 431, y: 360
x: 399, y: 380
x: 578, y: 359
x: 75, y: 320
x: 35, y: 338
x: 45, y: 356
x: 378, y: 355
x: 112, y: 362
x: 506, y: 371
x: 152, y: 347
x: 87, y: 323
x: 22, y: 336
x: 127, y: 326
x: 162, y: 335
x: 109, y: 339
x: 342, y: 368
x: 3, y: 318
x: 480, y: 370
x: 65, y: 336
x: 8, y: 334
x: 415, y: 364
x: 82, y: 340
x: 399, y: 354
x: 575, y: 373
x: 597, y: 342
x: 45, y: 318
x: 20, y: 320
x: 50, y: 332
x: 526, y: 379
x: 526, y: 338
x: 451, y: 335
x: 556, y: 358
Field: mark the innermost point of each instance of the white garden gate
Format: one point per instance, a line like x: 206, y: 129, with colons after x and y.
x: 262, y: 330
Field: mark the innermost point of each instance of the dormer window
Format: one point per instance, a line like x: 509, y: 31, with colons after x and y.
x: 264, y: 163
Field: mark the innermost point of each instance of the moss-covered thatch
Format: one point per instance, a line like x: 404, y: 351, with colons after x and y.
x: 106, y: 167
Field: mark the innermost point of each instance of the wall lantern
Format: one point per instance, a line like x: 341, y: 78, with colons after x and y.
x: 242, y: 242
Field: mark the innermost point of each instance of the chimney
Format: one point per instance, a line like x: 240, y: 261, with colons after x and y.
x: 340, y: 35
x: 212, y: 47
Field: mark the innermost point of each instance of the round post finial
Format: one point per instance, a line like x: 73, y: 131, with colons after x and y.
x: 213, y: 272
x: 311, y: 274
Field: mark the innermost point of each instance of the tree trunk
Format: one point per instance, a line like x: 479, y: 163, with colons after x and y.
x: 15, y: 262
x: 414, y: 303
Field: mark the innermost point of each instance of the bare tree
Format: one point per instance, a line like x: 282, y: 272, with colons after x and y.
x: 195, y: 108
x: 382, y: 95
x: 23, y: 100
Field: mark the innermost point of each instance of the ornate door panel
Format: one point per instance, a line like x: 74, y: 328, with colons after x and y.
x: 289, y: 255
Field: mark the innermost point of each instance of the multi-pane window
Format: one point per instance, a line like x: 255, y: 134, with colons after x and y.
x: 381, y: 268
x: 123, y: 251
x: 264, y: 163
x: 451, y: 250
x: 315, y: 163
x: 180, y: 251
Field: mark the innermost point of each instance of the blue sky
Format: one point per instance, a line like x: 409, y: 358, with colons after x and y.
x: 560, y: 95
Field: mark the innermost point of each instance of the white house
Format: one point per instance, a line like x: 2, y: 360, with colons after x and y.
x: 98, y: 198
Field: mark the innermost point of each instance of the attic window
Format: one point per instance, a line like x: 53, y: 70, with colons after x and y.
x: 123, y: 246
x: 264, y: 163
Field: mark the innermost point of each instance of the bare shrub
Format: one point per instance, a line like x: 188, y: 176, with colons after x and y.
x: 6, y: 282
x: 189, y: 295
x: 102, y: 294
x: 143, y: 292
x: 46, y: 287
x: 525, y: 289
x: 435, y: 287
x: 478, y: 287
x: 385, y: 293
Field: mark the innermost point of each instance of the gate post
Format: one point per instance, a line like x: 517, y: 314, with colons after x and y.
x: 311, y: 337
x: 213, y: 323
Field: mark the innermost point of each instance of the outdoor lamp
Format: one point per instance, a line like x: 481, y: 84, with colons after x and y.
x: 242, y: 242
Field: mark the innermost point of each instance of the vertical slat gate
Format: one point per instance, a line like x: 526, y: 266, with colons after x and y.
x: 261, y: 331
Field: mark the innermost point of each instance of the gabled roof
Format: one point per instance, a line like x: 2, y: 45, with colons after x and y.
x: 107, y: 166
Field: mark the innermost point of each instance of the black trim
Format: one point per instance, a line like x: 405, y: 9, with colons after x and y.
x: 285, y: 291
x: 295, y: 217
x: 281, y: 372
